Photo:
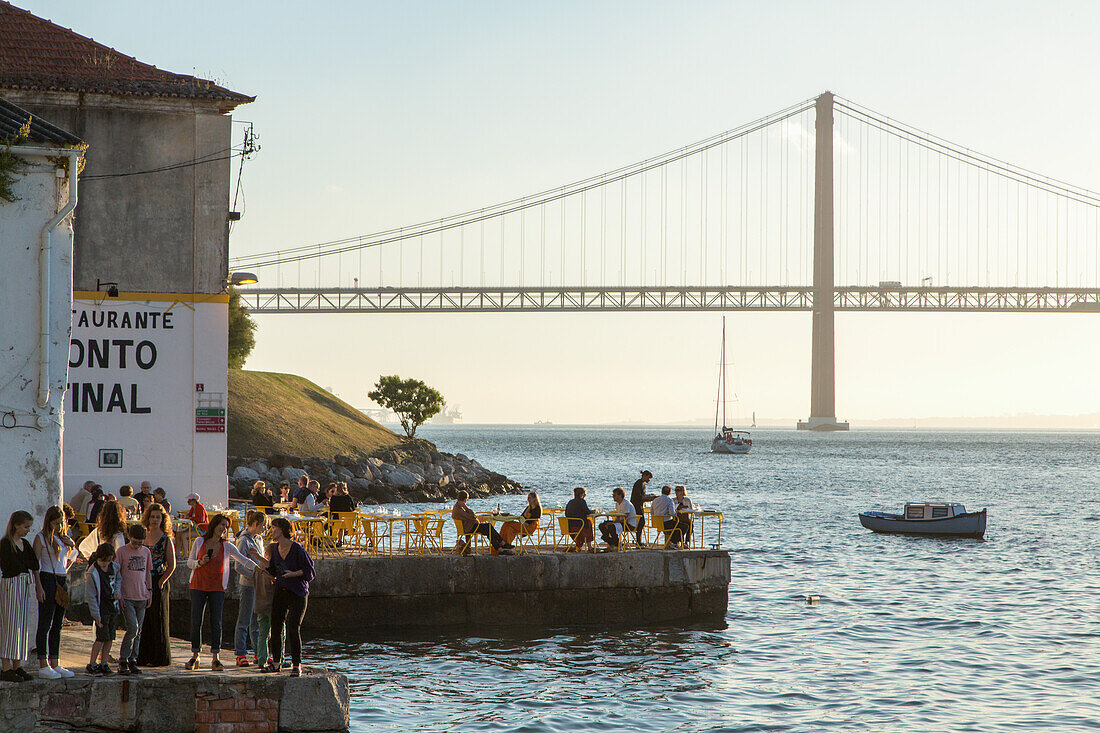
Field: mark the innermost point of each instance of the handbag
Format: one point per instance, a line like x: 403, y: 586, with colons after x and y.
x: 61, y: 597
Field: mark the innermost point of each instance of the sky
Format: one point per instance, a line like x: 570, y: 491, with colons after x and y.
x: 377, y: 115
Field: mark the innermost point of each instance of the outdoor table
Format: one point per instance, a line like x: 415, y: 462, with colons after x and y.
x: 392, y: 520
x: 492, y: 518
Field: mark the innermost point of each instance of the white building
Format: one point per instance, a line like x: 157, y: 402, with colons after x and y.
x: 38, y: 191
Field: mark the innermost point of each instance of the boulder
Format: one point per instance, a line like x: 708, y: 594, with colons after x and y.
x: 281, y: 460
x: 245, y: 473
x: 259, y: 467
x: 400, y: 477
x: 293, y: 474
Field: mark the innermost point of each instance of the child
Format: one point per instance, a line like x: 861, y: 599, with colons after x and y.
x: 104, y: 592
x: 135, y: 563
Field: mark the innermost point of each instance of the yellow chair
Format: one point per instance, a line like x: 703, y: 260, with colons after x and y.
x: 374, y: 535
x: 568, y: 539
x: 528, y: 539
x: 427, y: 535
x: 658, y: 525
x: 340, y: 528
x: 467, y: 541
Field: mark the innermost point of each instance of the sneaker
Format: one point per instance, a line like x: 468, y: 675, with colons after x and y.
x: 269, y: 667
x: 255, y: 660
x: 192, y: 663
x: 242, y: 661
x: 506, y: 552
x: 133, y: 667
x: 507, y: 546
x: 9, y: 675
x: 123, y: 668
x: 296, y: 672
x: 63, y: 672
x: 105, y: 670
x: 48, y: 673
x: 92, y: 669
x: 286, y: 664
x: 24, y: 675
x: 216, y: 665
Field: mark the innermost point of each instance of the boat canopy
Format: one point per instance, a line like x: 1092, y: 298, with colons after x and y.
x: 933, y: 510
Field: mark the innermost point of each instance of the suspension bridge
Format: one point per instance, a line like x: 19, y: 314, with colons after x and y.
x: 825, y: 206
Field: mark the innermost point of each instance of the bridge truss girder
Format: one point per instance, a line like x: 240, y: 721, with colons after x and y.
x: 685, y: 298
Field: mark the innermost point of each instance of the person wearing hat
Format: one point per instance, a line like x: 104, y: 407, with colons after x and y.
x: 196, y: 512
x: 638, y: 498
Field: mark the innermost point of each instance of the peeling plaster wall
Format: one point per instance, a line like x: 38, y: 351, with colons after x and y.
x: 30, y: 436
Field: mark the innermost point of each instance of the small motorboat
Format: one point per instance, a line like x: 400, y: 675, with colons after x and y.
x: 943, y: 520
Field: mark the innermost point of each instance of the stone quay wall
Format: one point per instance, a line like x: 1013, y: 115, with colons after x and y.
x: 552, y: 589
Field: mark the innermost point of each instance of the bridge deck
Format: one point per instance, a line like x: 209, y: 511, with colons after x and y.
x: 688, y: 298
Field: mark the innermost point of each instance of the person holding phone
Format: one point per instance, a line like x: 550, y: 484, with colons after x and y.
x: 209, y: 563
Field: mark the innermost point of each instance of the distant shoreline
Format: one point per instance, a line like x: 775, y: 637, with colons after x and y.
x: 930, y: 424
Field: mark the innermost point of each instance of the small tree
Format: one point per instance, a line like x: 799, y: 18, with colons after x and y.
x: 242, y: 331
x: 412, y: 400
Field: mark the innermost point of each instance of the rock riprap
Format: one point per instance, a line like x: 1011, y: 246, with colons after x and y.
x: 414, y: 472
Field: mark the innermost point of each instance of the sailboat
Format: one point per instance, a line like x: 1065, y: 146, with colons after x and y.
x: 727, y: 440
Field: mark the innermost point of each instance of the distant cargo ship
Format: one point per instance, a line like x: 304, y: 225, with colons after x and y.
x: 448, y: 416
x: 543, y: 422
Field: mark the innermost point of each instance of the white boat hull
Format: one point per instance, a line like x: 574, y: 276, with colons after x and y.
x: 721, y: 446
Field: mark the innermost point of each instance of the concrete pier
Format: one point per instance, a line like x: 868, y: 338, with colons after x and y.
x: 171, y: 699
x: 551, y: 589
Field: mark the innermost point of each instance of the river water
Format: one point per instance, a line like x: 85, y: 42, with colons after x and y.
x: 911, y: 634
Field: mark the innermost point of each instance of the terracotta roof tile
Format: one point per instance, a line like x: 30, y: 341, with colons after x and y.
x: 37, y: 54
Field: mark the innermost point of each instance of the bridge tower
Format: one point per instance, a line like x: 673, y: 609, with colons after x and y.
x: 823, y: 358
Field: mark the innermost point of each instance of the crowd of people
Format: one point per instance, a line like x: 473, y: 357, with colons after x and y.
x: 628, y: 518
x: 129, y: 556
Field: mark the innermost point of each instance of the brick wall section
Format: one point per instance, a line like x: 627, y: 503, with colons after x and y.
x: 236, y: 714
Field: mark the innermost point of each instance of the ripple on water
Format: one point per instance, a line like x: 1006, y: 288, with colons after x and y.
x: 909, y: 634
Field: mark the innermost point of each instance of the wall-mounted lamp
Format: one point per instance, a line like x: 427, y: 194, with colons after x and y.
x: 112, y: 288
x: 241, y: 278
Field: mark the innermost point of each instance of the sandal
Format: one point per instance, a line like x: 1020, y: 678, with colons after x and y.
x: 192, y: 663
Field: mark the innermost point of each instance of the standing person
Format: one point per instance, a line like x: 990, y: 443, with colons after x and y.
x: 161, y: 498
x: 684, y: 518
x: 196, y: 512
x: 109, y: 526
x: 532, y: 513
x: 154, y: 649
x: 263, y: 589
x: 262, y: 498
x: 466, y: 522
x: 81, y: 498
x: 55, y: 551
x: 94, y: 505
x: 250, y: 544
x: 638, y: 498
x: 19, y: 585
x: 209, y: 563
x: 580, y: 518
x: 135, y: 567
x: 104, y: 592
x: 292, y: 568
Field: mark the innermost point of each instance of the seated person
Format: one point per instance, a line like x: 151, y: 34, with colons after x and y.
x: 161, y: 498
x: 262, y: 498
x: 531, y: 515
x: 466, y: 522
x: 196, y: 512
x: 580, y: 518
x: 284, y: 492
x: 127, y: 501
x: 309, y: 501
x: 612, y: 530
x: 683, y: 518
x: 663, y: 507
x: 341, y: 501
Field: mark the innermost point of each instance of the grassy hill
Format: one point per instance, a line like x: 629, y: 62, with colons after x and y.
x: 283, y: 413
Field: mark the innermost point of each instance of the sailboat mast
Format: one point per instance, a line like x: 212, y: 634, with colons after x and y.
x: 725, y: 422
x: 721, y: 369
